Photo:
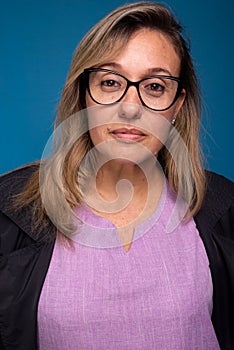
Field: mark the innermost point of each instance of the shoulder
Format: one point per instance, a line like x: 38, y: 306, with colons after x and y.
x: 13, y: 182
x: 218, y: 203
x: 219, y: 193
x: 220, y: 186
x: 14, y: 220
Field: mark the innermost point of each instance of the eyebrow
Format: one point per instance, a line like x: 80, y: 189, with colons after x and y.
x: 148, y: 72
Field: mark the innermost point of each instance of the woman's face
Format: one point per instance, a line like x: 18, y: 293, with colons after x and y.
x: 126, y: 124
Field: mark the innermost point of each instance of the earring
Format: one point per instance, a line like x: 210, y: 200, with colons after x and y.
x: 173, y: 121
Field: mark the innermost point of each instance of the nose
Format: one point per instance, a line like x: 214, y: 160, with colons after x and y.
x: 130, y: 105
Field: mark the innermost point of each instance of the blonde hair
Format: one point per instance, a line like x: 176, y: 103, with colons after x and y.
x: 100, y: 44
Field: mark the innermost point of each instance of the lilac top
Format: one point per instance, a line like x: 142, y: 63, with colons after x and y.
x: 156, y: 296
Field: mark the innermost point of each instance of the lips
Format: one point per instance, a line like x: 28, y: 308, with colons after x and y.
x: 126, y: 134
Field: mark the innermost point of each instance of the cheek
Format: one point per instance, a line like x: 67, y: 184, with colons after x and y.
x: 94, y: 135
x: 160, y: 133
x: 155, y: 145
x: 172, y: 112
x: 97, y: 135
x: 88, y: 100
x: 95, y: 132
x: 169, y: 114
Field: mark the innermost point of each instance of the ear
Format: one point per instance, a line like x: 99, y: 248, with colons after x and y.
x: 180, y: 101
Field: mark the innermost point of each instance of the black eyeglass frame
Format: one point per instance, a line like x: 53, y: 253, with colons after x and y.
x: 131, y: 83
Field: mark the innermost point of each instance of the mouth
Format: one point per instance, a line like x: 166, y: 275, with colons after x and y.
x: 128, y: 135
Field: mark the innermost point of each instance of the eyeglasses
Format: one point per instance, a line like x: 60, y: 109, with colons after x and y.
x: 106, y: 87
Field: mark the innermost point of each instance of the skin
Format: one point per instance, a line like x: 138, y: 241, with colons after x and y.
x: 148, y: 52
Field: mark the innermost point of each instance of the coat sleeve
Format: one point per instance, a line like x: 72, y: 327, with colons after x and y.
x: 24, y: 259
x: 215, y: 222
x: 223, y: 315
x: 23, y: 267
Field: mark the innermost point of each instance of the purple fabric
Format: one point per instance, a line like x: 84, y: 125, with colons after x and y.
x: 156, y: 296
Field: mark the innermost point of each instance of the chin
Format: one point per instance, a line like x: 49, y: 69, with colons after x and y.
x: 124, y: 153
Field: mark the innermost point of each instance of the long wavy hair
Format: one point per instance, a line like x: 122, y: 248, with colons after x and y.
x: 106, y: 39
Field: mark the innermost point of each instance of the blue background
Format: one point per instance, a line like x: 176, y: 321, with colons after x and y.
x: 37, y: 43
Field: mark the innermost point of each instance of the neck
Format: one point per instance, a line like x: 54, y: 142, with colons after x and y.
x: 120, y: 184
x: 110, y: 178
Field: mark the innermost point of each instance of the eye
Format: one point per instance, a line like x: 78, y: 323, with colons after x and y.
x: 153, y: 87
x: 110, y: 83
x: 156, y: 87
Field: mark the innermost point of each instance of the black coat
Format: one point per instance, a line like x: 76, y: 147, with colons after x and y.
x: 25, y: 258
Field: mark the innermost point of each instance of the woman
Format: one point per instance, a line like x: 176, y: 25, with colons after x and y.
x: 120, y: 239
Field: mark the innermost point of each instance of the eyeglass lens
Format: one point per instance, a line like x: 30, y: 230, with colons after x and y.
x: 156, y: 92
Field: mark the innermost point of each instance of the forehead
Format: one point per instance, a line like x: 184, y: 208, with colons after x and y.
x: 144, y: 51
